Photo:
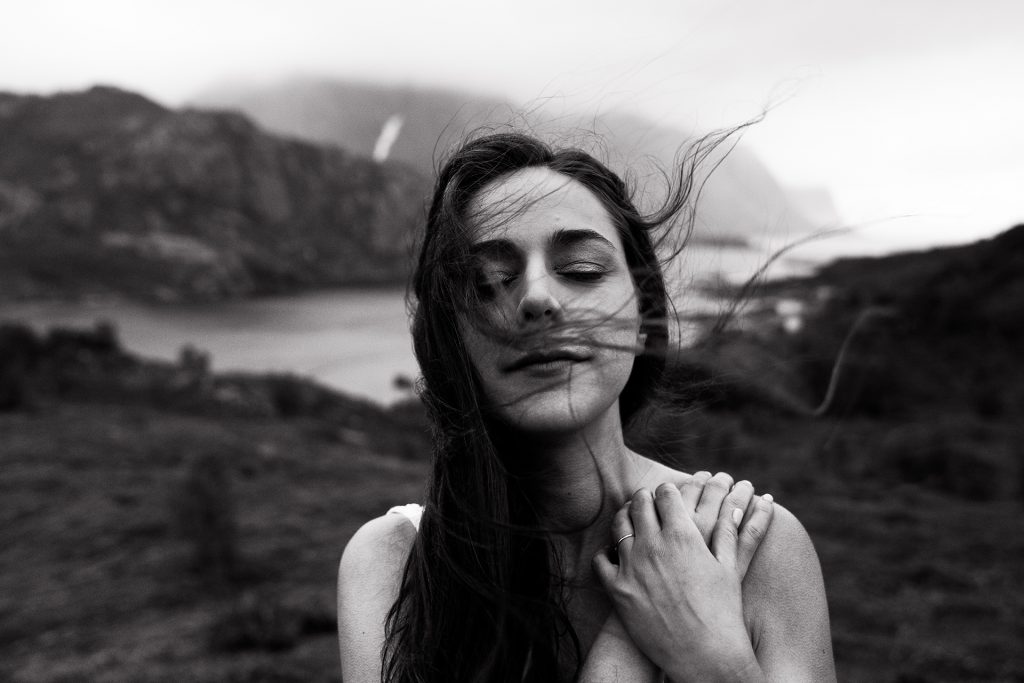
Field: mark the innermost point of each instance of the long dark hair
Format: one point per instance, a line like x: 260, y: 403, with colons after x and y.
x: 478, y: 599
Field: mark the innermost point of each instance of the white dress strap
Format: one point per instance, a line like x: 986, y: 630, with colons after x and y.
x: 412, y: 512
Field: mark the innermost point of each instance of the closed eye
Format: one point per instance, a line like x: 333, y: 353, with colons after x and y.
x: 489, y: 281
x: 583, y: 271
x: 505, y: 277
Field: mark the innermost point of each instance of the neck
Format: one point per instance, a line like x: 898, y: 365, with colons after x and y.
x: 579, y: 478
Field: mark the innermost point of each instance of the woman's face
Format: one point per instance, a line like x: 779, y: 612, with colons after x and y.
x: 555, y: 287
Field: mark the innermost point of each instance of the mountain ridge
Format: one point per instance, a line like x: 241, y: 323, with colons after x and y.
x: 740, y: 200
x: 104, y: 191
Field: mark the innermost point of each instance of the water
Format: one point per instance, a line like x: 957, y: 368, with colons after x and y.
x: 353, y: 340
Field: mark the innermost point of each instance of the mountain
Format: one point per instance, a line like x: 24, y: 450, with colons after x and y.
x: 740, y: 200
x: 353, y: 115
x: 104, y: 191
x: 817, y: 204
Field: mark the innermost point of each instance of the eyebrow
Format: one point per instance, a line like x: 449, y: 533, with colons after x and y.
x: 568, y: 238
x: 559, y: 240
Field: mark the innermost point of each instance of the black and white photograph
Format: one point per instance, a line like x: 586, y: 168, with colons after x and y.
x: 525, y: 342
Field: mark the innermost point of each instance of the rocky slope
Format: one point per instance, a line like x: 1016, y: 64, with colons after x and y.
x: 106, y: 192
x: 741, y: 200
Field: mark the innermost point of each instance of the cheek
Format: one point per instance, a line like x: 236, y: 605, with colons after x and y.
x: 616, y: 321
x: 482, y: 350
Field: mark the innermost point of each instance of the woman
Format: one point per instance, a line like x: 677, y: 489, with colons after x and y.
x: 548, y: 550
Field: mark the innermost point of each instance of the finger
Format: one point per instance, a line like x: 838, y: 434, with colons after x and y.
x: 668, y: 501
x: 710, y: 504
x: 738, y: 502
x: 692, y: 489
x: 739, y: 497
x: 723, y: 543
x: 603, y: 566
x: 622, y: 525
x: 643, y: 515
x: 753, y: 531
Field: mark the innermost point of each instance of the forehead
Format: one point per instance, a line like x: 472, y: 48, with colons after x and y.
x: 532, y: 203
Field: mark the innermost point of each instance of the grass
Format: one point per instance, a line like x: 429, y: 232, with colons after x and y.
x: 119, y: 474
x: 99, y: 582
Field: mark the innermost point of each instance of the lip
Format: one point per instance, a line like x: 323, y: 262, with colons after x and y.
x: 547, y: 359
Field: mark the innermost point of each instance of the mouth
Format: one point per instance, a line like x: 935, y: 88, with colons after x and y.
x: 547, y: 359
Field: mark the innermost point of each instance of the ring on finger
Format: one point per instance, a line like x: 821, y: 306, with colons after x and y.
x: 616, y: 546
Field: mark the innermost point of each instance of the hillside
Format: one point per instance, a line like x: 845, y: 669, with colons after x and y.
x: 166, y: 523
x: 741, y: 200
x: 949, y: 328
x: 352, y: 114
x: 105, y: 192
x: 163, y: 522
x: 920, y: 331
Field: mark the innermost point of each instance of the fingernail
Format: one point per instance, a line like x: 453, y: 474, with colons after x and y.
x: 737, y: 516
x: 743, y: 481
x: 767, y: 498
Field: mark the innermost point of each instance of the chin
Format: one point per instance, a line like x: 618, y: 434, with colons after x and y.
x: 558, y: 410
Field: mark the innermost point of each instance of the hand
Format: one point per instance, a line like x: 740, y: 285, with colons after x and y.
x: 707, y: 498
x: 680, y: 602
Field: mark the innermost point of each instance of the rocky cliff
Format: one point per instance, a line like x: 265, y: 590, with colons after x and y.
x: 105, y: 192
x: 740, y: 201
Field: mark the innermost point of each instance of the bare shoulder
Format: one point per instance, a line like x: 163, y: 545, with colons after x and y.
x: 382, y: 543
x: 369, y: 577
x: 787, y: 550
x: 785, y: 605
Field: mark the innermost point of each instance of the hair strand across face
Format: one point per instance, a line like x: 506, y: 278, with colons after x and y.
x: 481, y: 596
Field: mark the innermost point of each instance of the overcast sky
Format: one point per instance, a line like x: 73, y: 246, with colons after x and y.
x: 898, y: 107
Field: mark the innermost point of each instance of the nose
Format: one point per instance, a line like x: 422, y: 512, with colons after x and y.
x: 538, y: 303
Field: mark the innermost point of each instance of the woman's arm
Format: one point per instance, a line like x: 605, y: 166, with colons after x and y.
x: 784, y: 600
x: 615, y: 658
x: 368, y: 580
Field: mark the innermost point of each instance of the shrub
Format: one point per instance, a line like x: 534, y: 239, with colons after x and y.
x: 14, y: 393
x: 205, y: 513
x: 19, y: 355
x: 102, y: 340
x: 195, y: 362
